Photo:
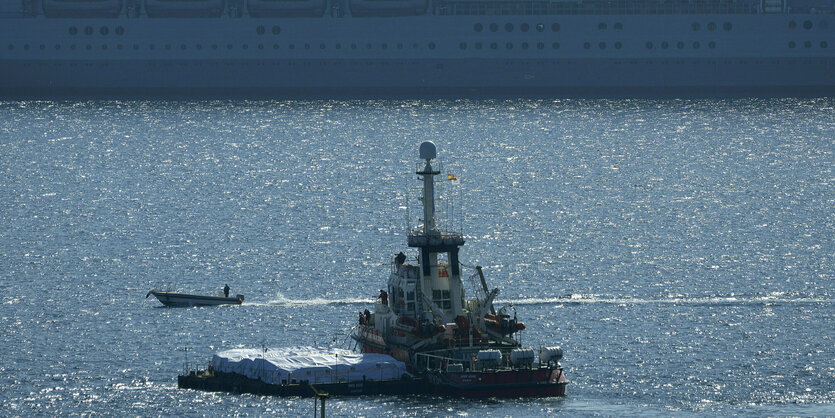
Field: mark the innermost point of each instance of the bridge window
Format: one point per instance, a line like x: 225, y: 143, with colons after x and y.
x: 441, y: 298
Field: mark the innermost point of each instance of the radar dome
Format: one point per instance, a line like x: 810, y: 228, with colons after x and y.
x: 428, y: 150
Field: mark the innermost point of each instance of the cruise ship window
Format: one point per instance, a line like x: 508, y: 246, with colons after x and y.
x: 494, y: 46
x: 229, y: 46
x: 353, y: 46
x: 824, y: 44
x: 89, y: 47
x: 462, y: 45
x: 57, y: 47
x: 524, y: 45
x: 807, y: 44
x: 555, y: 45
x: 601, y: 26
x: 555, y: 27
x: 322, y: 46
x: 524, y: 27
x: 104, y: 47
x: 665, y: 45
x: 214, y: 46
x: 136, y: 47
x: 88, y: 30
x: 586, y: 45
x: 275, y: 46
x: 618, y: 45
x: 792, y: 44
x: 120, y: 30
x: 711, y: 26
x: 276, y: 30
x: 602, y: 45
x: 540, y: 27
x: 183, y: 47
x: 494, y: 27
x: 696, y: 45
x: 43, y: 47
x: 792, y: 24
x: 509, y: 45
x: 478, y: 45
x: 711, y: 45
x: 103, y: 30
x: 338, y: 46
x: 478, y: 27
x: 727, y: 26
x: 618, y: 26
x: 680, y: 45
x: 167, y: 47
x: 260, y: 30
x: 696, y: 27
x: 26, y: 47
x: 400, y: 45
x: 649, y: 45
x: 807, y: 24
x: 73, y: 30
x: 508, y: 27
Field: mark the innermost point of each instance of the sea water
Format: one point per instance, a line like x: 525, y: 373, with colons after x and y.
x: 680, y: 251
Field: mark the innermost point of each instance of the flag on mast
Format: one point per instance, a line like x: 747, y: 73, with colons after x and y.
x: 452, y: 178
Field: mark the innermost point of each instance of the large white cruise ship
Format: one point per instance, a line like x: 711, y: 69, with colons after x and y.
x: 197, y: 46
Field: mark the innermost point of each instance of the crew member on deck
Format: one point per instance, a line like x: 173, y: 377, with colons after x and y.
x: 226, y: 291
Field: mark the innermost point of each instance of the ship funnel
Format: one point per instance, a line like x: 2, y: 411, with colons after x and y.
x: 428, y: 150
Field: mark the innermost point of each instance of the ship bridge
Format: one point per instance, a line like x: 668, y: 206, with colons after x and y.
x: 439, y: 286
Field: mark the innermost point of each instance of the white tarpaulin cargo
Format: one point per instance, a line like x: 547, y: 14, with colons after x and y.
x: 316, y: 365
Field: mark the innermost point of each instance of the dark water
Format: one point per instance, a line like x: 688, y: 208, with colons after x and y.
x: 680, y: 251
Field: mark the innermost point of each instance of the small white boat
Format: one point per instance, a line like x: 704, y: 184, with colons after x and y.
x: 184, y: 299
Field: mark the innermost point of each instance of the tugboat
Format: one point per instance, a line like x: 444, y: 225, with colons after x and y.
x: 461, y: 346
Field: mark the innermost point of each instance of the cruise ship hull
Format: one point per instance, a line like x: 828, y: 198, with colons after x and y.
x: 431, y: 53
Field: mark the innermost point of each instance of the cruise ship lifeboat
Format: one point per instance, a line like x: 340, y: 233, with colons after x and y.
x: 369, y: 8
x: 184, y: 8
x: 82, y: 8
x: 286, y: 8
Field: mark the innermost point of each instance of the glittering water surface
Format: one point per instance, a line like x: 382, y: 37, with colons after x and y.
x: 680, y: 251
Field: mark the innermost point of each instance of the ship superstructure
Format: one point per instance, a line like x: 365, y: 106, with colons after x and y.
x: 459, y: 342
x: 344, y: 45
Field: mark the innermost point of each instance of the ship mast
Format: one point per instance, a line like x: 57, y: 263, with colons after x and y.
x: 444, y: 295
